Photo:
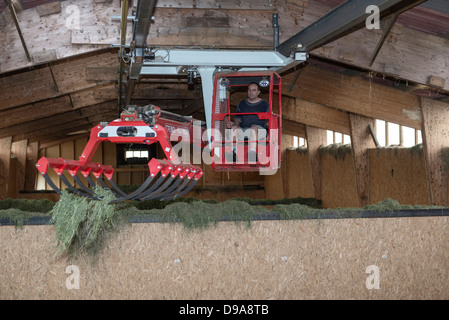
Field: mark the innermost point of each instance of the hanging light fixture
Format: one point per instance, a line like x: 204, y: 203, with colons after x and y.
x: 264, y: 82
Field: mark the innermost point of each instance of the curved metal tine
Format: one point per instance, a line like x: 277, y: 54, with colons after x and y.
x: 189, y: 187
x: 172, y: 195
x: 93, y: 185
x: 157, y: 192
x: 51, y: 184
x: 136, y: 193
x: 168, y: 191
x: 115, y: 186
x: 151, y: 189
x: 104, y: 186
x: 91, y: 182
x: 67, y: 183
x: 81, y: 184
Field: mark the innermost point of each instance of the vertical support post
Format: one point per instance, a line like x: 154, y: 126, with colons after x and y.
x: 207, y: 83
x: 275, y: 30
x: 276, y: 185
x: 5, y: 159
x: 19, y: 149
x: 435, y: 131
x: 361, y: 141
x: 315, y: 138
x: 31, y: 172
x: 123, y: 22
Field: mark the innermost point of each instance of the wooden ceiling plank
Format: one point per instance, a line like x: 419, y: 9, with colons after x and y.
x: 54, y: 32
x: 411, y: 50
x: 53, y: 81
x: 23, y: 129
x: 414, y: 52
x: 317, y: 115
x: 64, y: 134
x: 88, y: 97
x: 56, y: 141
x: 72, y: 75
x: 355, y: 95
x: 26, y: 87
x: 35, y: 111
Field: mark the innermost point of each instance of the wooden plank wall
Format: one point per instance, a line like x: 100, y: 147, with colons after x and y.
x: 273, y: 260
x: 397, y: 173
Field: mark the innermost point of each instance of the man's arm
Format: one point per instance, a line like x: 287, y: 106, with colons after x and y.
x: 238, y: 119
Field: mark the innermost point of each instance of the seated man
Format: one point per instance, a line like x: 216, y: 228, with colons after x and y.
x: 250, y: 122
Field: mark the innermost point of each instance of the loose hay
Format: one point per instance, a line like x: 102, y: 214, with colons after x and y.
x: 201, y: 215
x: 82, y: 225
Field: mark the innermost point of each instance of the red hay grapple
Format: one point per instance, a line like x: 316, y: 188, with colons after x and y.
x: 168, y: 179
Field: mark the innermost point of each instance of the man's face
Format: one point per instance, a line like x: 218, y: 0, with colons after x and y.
x: 253, y: 92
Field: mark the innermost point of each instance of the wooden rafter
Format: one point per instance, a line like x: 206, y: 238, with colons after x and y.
x: 12, y: 10
x: 411, y: 51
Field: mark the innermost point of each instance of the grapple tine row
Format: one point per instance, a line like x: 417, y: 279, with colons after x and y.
x: 166, y: 180
x: 137, y: 125
x: 185, y: 187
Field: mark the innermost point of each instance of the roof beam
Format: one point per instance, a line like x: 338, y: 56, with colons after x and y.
x: 348, y: 17
x: 12, y: 9
x: 355, y: 95
x: 34, y: 127
x: 389, y: 23
x: 413, y: 52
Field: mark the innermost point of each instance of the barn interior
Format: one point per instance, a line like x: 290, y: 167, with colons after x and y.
x: 365, y: 114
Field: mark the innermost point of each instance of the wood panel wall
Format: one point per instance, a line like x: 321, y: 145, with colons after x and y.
x: 299, y: 259
x: 397, y: 173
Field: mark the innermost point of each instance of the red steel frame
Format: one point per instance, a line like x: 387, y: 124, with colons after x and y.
x: 85, y: 166
x: 160, y: 132
x: 273, y: 133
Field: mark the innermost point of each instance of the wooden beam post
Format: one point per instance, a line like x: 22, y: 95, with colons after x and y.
x: 19, y: 150
x: 315, y: 138
x: 5, y: 159
x: 276, y: 186
x: 30, y: 170
x: 361, y: 141
x: 435, y: 138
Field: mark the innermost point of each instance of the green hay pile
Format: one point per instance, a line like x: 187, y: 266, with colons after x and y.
x: 196, y: 214
x: 19, y: 211
x: 82, y: 225
x: 338, y: 150
x: 298, y: 211
x: 29, y: 205
x: 19, y: 217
